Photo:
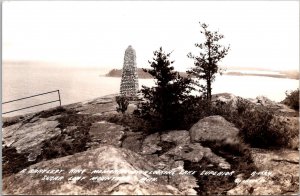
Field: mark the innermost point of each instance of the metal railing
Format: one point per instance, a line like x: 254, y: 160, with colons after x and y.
x: 36, y: 104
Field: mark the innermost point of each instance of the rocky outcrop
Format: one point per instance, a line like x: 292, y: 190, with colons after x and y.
x: 260, y: 101
x: 195, y: 153
x: 176, y: 146
x: 285, y: 120
x: 213, y: 128
x: 133, y: 141
x: 106, y: 133
x: 83, y: 136
x: 224, y: 98
x: 176, y: 136
x: 103, y: 158
x: 59, y: 132
x: 99, y: 106
x: 151, y: 144
x: 29, y: 137
x: 277, y: 174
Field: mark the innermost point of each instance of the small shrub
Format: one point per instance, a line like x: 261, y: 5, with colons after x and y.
x: 258, y: 125
x: 7, y: 121
x: 12, y: 161
x: 51, y: 112
x: 255, y: 128
x: 123, y: 103
x: 135, y: 123
x: 292, y: 99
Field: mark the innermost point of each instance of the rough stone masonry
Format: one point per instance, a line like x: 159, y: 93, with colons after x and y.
x: 129, y: 81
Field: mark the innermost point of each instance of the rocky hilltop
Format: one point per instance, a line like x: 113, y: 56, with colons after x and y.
x: 81, y: 149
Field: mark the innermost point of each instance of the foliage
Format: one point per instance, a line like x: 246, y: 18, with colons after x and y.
x: 257, y: 124
x: 194, y: 108
x: 13, y: 161
x: 206, y: 64
x: 133, y: 122
x: 292, y: 99
x: 162, y: 102
x: 123, y: 103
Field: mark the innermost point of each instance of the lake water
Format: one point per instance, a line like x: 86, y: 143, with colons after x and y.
x: 78, y: 84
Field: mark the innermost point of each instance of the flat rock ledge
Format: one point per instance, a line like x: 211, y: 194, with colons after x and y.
x: 278, y: 174
x: 102, y: 158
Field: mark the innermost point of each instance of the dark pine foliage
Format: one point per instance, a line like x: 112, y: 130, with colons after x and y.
x: 123, y: 103
x: 292, y: 99
x: 206, y: 64
x: 162, y: 103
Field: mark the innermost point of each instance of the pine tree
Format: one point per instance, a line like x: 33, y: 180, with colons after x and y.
x: 206, y: 64
x: 163, y: 101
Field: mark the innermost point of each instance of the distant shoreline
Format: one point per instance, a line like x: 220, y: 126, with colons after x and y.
x: 144, y: 75
x: 287, y: 76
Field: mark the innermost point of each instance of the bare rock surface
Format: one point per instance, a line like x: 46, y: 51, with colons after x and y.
x: 99, y: 105
x: 25, y: 137
x: 133, y: 141
x: 107, y: 133
x: 278, y: 108
x: 176, y: 136
x: 279, y: 174
x: 150, y: 144
x: 213, y: 128
x: 105, y: 158
x: 195, y: 153
x: 225, y: 98
x: 179, y: 148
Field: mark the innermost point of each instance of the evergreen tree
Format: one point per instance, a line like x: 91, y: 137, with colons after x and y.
x: 162, y: 102
x: 206, y: 64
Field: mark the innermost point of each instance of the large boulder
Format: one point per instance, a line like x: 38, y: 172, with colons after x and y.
x: 213, y: 128
x: 131, y: 181
x: 277, y: 174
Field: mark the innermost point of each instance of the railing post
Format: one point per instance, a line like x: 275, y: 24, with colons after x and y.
x: 59, y: 98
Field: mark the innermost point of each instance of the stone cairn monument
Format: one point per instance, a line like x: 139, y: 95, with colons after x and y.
x: 129, y: 81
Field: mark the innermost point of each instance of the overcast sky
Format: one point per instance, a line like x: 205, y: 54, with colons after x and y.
x: 96, y: 33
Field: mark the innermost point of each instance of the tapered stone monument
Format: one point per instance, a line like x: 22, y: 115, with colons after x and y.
x: 129, y: 82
